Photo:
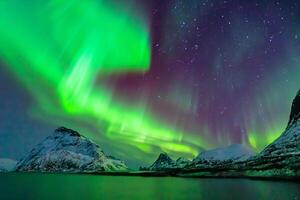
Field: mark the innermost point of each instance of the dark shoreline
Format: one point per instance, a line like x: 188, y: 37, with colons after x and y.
x: 168, y: 174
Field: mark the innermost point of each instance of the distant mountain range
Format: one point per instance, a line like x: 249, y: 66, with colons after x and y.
x: 280, y: 159
x: 235, y: 152
x: 68, y: 151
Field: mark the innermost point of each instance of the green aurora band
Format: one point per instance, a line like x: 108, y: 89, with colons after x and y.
x: 58, y: 50
x: 63, y: 52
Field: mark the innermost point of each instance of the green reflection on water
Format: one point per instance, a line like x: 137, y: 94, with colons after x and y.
x: 53, y: 186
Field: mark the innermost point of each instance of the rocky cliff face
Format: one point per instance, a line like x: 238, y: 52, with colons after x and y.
x: 295, y: 111
x: 282, y: 157
x: 67, y: 151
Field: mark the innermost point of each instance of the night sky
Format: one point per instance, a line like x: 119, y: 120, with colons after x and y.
x: 141, y: 77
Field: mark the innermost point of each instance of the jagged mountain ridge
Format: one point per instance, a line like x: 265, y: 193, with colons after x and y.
x: 208, y: 158
x: 164, y: 161
x: 182, y: 162
x: 67, y: 151
x: 279, y: 159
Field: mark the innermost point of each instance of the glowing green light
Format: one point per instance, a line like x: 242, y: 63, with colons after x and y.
x: 259, y: 141
x: 252, y: 140
x: 58, y: 49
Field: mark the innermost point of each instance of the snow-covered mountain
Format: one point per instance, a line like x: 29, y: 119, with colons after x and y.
x: 7, y: 165
x: 289, y: 142
x: 205, y: 159
x: 283, y: 155
x: 67, y: 151
x: 163, y: 162
x: 232, y: 152
x: 279, y: 159
x: 182, y: 162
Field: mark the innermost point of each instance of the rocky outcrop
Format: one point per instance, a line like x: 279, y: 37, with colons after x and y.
x: 67, y: 151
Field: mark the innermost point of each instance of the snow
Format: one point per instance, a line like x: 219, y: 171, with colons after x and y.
x: 280, y: 158
x: 288, y: 143
x: 67, y: 151
x: 182, y: 162
x: 236, y: 152
x: 7, y: 165
x: 163, y: 162
x: 284, y: 152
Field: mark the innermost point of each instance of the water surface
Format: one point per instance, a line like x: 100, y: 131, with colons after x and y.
x: 56, y: 186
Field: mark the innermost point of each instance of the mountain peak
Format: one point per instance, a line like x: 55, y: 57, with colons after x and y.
x: 164, y: 161
x: 67, y: 151
x: 65, y: 130
x: 164, y: 156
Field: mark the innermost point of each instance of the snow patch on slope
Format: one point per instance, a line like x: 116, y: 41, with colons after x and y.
x: 232, y: 152
x: 7, y: 165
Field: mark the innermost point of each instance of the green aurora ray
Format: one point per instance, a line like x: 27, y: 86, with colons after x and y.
x: 58, y: 50
x: 63, y: 51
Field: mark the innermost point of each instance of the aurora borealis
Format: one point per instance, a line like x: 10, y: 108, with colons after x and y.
x: 141, y: 77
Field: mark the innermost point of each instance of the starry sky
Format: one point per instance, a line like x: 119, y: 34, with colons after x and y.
x: 141, y: 77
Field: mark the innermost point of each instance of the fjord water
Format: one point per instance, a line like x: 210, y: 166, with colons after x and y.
x: 56, y: 186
